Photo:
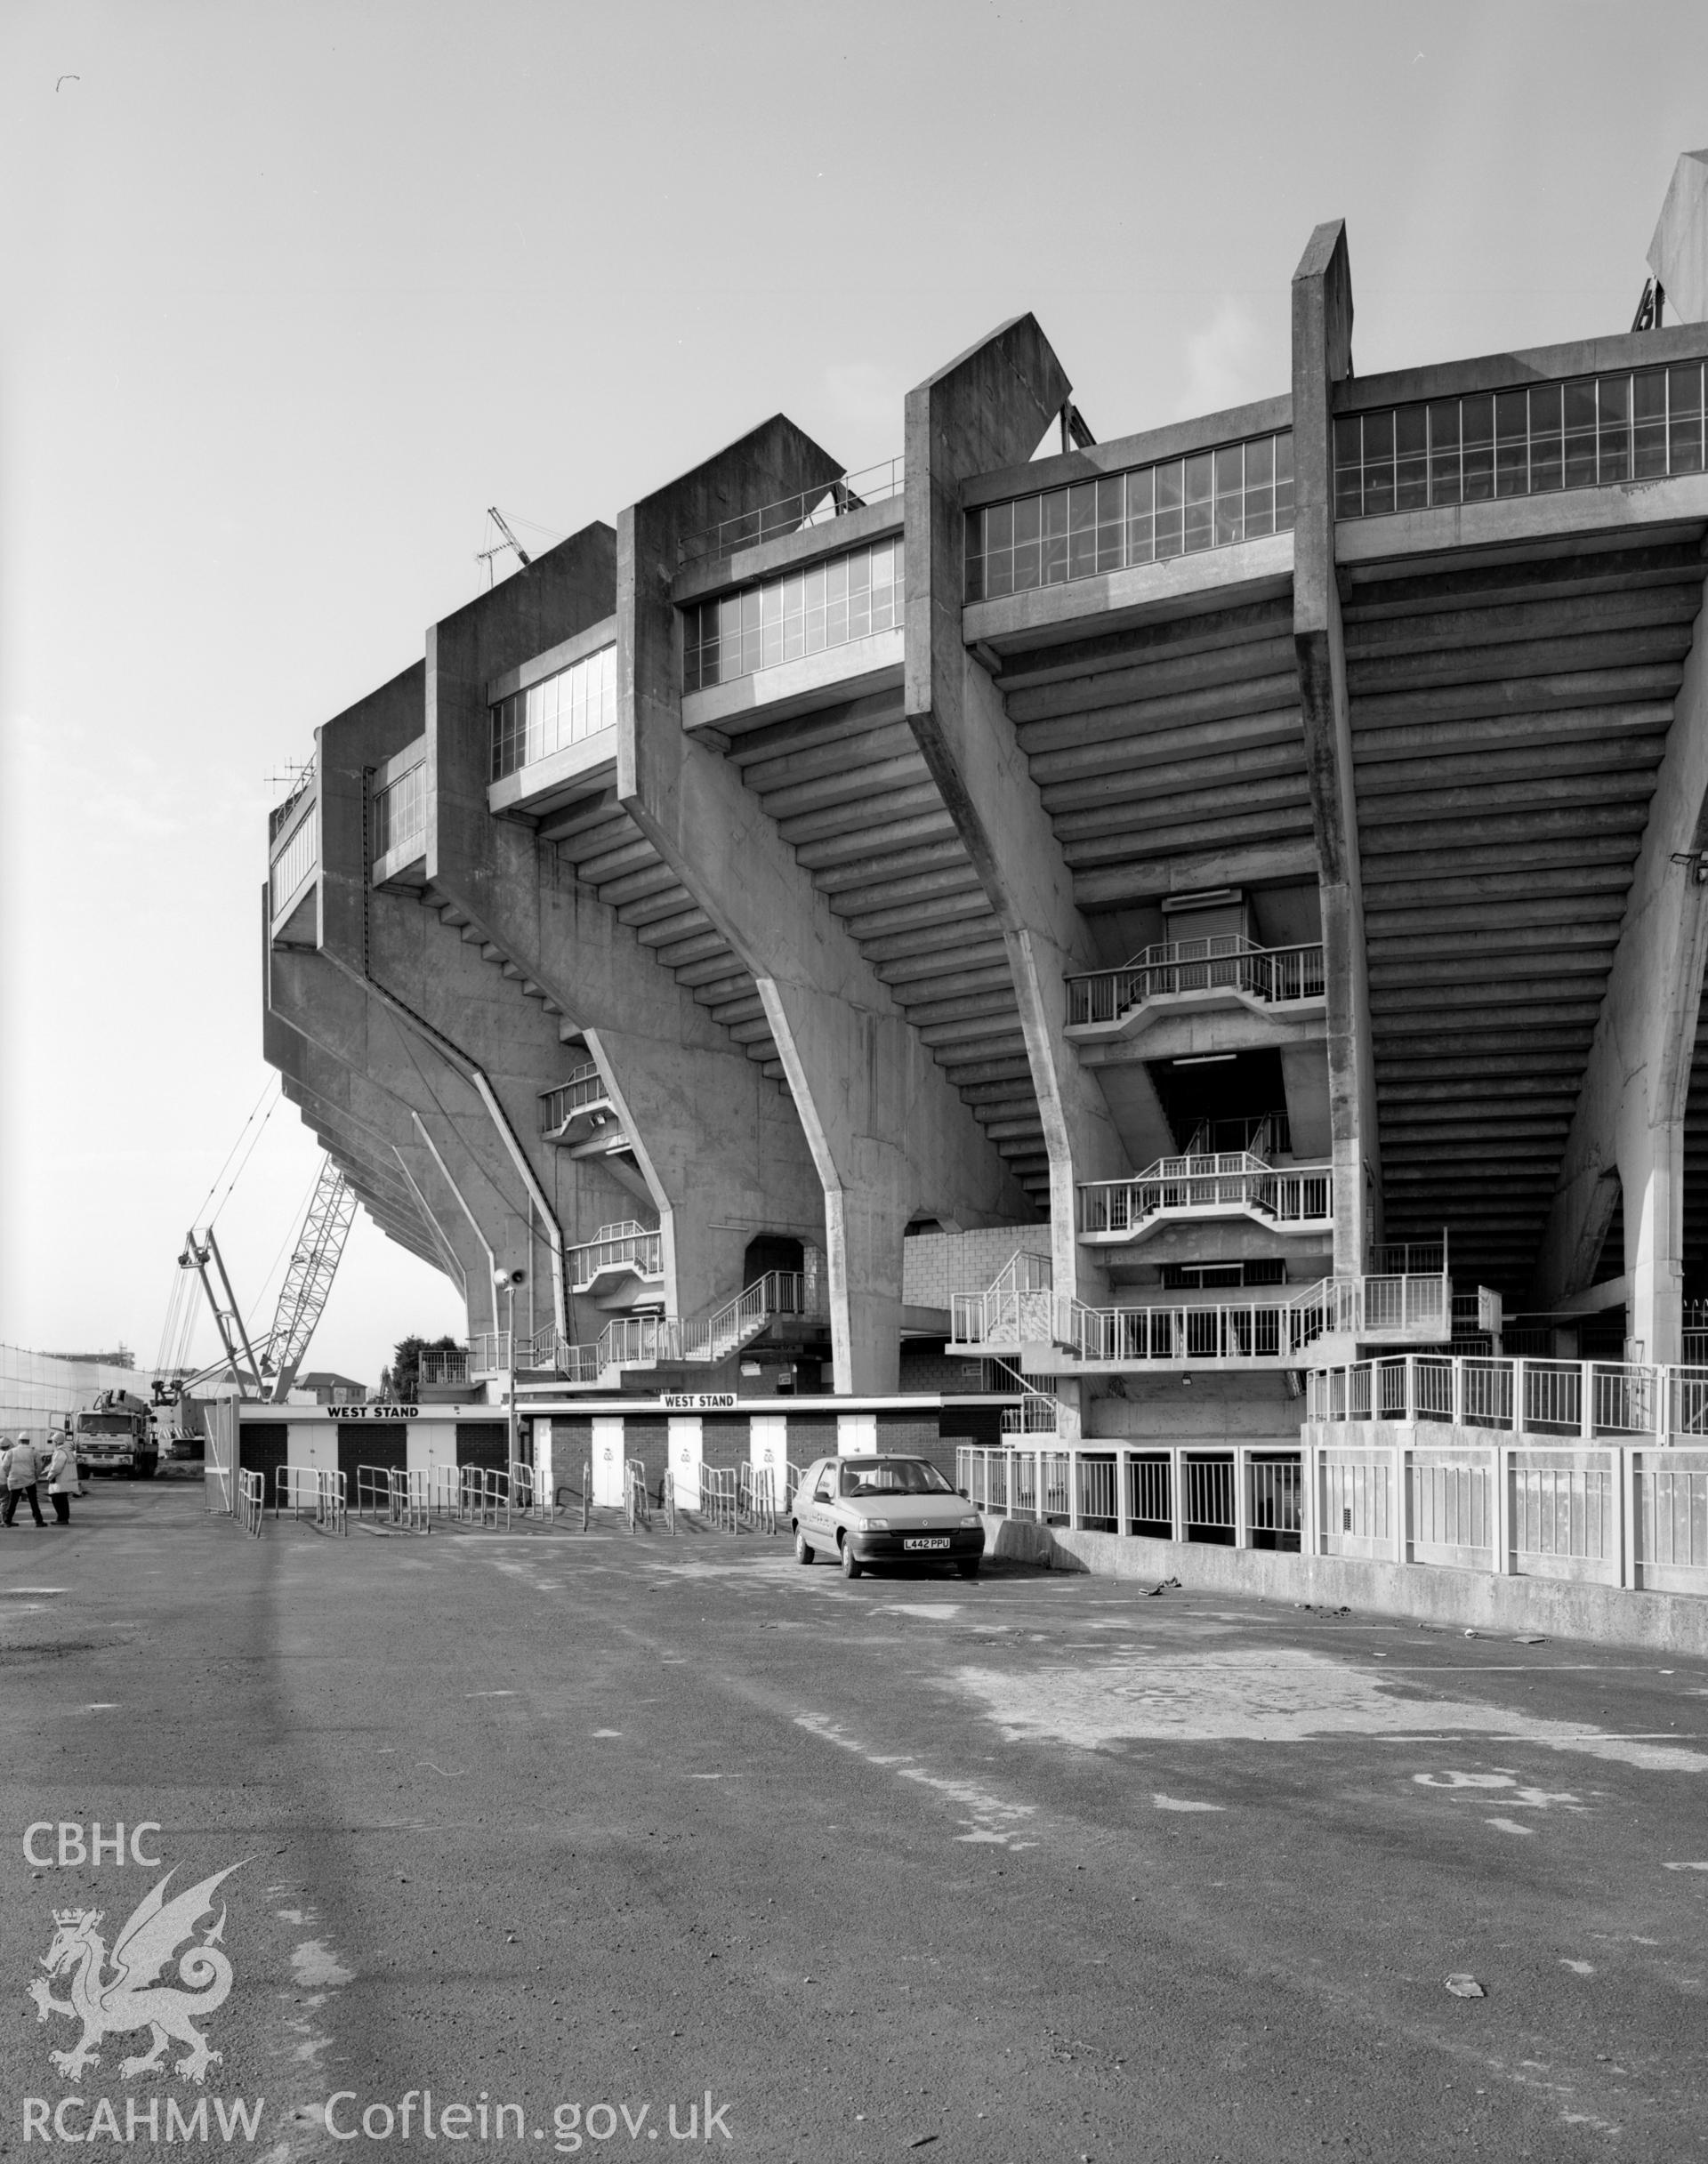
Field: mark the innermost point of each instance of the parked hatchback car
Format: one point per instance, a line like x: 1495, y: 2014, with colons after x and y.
x: 866, y: 1510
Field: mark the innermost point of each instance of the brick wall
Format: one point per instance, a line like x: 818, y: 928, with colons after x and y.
x: 935, y: 1266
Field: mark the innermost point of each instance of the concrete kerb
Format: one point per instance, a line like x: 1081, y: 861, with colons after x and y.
x: 1554, y: 1608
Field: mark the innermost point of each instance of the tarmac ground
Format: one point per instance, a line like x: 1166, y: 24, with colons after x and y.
x: 591, y: 1837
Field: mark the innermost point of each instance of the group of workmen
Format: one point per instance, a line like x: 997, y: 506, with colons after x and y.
x: 26, y: 1466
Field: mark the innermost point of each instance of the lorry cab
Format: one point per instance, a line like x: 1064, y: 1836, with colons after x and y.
x: 113, y: 1436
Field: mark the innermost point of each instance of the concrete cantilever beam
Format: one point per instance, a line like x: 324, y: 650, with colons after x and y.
x: 719, y: 1148
x: 1629, y: 1117
x: 987, y: 410
x: 888, y: 1135
x: 1322, y: 356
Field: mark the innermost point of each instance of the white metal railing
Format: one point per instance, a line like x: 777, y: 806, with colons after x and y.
x: 637, y: 1504
x: 1019, y: 1308
x: 809, y: 507
x: 490, y: 1353
x: 251, y: 1501
x: 756, y: 1498
x: 652, y: 1340
x: 1215, y: 1185
x: 442, y: 1367
x: 1563, y: 1398
x: 1174, y: 968
x: 585, y: 1087
x: 1034, y: 1415
x: 278, y: 818
x: 628, y: 1245
x: 720, y: 1498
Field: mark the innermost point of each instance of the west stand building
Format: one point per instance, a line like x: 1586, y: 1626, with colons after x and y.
x: 1151, y: 920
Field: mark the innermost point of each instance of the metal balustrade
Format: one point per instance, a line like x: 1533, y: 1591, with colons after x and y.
x: 637, y: 1504
x: 251, y: 1502
x: 808, y: 507
x: 442, y: 1369
x: 490, y: 1353
x: 1177, y: 968
x: 585, y: 1087
x: 279, y: 818
x: 627, y: 1246
x: 295, y: 862
x: 1616, y: 1511
x: 1034, y: 1415
x: 1564, y: 1398
x: 1215, y: 1185
x: 1019, y: 1309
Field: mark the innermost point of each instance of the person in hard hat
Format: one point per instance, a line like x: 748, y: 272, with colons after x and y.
x: 23, y: 1471
x: 62, y: 1481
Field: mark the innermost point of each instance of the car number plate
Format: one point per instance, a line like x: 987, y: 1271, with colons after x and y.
x: 934, y: 1541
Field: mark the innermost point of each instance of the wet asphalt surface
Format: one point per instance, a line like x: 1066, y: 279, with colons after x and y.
x: 589, y: 1826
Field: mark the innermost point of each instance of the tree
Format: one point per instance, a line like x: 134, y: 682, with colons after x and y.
x: 401, y: 1381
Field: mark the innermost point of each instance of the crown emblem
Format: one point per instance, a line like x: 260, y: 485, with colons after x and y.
x: 77, y: 1915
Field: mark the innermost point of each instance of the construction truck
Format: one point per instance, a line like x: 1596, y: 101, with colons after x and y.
x: 116, y: 1434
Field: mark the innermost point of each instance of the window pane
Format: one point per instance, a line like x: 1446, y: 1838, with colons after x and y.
x: 1476, y: 424
x: 1613, y: 429
x: 1443, y: 451
x: 1580, y: 433
x: 1111, y: 520
x: 1055, y: 537
x: 1141, y: 531
x: 1230, y: 495
x: 1411, y: 458
x: 1349, y: 467
x: 1171, y: 498
x: 1284, y: 482
x: 1511, y: 443
x: 1198, y: 483
x: 1378, y: 463
x: 1081, y: 529
x: 1684, y: 401
x: 1259, y: 488
x: 1547, y: 466
x: 1648, y: 418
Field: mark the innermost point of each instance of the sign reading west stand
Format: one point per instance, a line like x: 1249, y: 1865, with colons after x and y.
x: 700, y: 1401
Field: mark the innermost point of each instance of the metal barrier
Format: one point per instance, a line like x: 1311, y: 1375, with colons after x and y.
x: 251, y: 1501
x: 667, y: 1499
x: 720, y: 1501
x: 636, y: 1503
x: 331, y: 1511
x: 756, y: 1498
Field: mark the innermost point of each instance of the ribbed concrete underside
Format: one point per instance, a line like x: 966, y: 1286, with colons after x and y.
x: 1164, y: 743
x: 851, y: 795
x: 1508, y: 714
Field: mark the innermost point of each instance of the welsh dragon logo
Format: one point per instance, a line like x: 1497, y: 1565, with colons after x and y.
x: 129, y: 1995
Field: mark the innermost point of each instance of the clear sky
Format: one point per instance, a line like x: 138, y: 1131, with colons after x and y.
x: 294, y: 291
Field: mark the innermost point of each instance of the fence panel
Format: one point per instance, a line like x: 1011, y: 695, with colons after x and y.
x: 1452, y: 1520
x: 1356, y: 1513
x: 1150, y: 1505
x: 1672, y: 1522
x: 1563, y: 1517
x: 1095, y: 1494
x: 1273, y: 1501
x: 1209, y: 1486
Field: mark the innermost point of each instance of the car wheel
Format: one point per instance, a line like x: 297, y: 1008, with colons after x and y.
x: 802, y: 1548
x: 851, y: 1563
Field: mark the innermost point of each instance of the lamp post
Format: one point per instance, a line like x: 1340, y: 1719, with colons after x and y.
x: 507, y: 1281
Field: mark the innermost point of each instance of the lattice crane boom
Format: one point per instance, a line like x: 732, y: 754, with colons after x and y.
x: 307, y: 1282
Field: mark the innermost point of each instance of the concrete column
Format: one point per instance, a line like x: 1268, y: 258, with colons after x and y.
x: 1629, y: 1117
x: 988, y: 409
x: 718, y: 1148
x: 889, y: 1136
x: 1322, y: 356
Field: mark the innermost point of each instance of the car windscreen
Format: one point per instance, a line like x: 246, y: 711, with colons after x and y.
x: 894, y: 1476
